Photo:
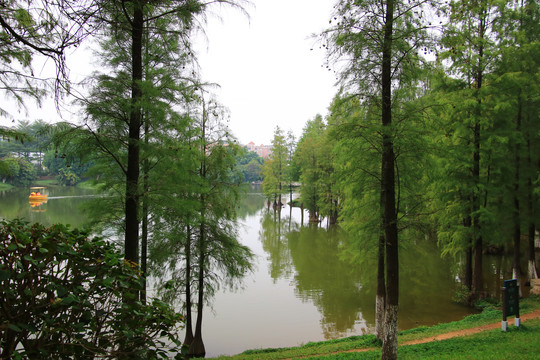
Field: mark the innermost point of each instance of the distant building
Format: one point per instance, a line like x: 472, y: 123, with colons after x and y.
x: 263, y: 151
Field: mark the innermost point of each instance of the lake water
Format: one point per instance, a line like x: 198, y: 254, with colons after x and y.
x: 302, y: 289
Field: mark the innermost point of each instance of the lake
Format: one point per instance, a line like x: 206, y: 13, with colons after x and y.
x: 303, y: 288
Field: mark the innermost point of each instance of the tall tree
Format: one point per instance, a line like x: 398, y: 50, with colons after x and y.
x: 217, y: 248
x: 309, y: 157
x: 380, y: 41
x: 357, y: 149
x: 279, y: 162
x: 516, y: 82
x: 470, y: 47
x: 132, y: 18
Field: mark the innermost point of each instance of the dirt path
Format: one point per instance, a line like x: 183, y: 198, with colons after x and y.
x: 465, y: 332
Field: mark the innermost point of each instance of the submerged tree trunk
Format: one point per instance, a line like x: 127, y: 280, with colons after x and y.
x: 389, y: 348
x: 196, y: 348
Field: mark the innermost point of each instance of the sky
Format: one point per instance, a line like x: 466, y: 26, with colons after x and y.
x: 268, y: 67
x: 268, y: 74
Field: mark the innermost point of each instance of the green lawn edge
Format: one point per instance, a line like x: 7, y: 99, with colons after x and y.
x: 4, y: 186
x: 491, y: 313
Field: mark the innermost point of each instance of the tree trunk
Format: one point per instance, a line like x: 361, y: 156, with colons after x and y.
x: 468, y: 257
x: 131, y: 244
x: 478, y: 285
x: 196, y: 349
x: 533, y: 273
x: 380, y: 300
x: 516, y: 270
x: 478, y: 282
x: 188, y: 339
x: 389, y: 348
x: 145, y: 215
x: 144, y: 237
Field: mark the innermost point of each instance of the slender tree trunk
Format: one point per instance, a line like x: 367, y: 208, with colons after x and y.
x: 468, y: 257
x: 144, y: 234
x: 532, y: 271
x: 196, y: 349
x: 380, y: 302
x: 290, y: 193
x: 478, y: 285
x: 516, y: 270
x: 188, y: 339
x: 389, y: 348
x: 132, y: 175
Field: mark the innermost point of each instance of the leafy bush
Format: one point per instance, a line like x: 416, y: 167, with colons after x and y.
x: 67, y: 177
x: 65, y: 295
x: 16, y: 171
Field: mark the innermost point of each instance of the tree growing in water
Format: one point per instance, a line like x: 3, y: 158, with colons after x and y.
x: 275, y: 169
x: 217, y: 250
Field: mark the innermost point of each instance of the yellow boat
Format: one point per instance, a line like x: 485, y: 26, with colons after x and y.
x: 37, y: 195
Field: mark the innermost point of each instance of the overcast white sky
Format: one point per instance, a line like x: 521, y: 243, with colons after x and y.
x: 269, y: 75
x: 267, y: 72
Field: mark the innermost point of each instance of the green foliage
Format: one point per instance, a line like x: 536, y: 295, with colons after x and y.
x: 275, y: 168
x: 314, y: 158
x: 65, y: 294
x: 250, y: 165
x: 67, y: 177
x: 17, y: 171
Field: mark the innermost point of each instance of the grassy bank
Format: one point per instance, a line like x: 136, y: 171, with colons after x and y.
x: 5, y: 186
x: 516, y: 343
x: 88, y: 184
x: 46, y: 182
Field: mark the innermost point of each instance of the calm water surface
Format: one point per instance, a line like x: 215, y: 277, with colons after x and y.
x: 302, y: 288
x: 62, y: 205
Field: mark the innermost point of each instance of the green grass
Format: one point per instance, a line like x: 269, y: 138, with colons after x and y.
x: 47, y: 182
x: 5, y: 186
x: 309, y: 349
x: 88, y: 184
x: 516, y: 343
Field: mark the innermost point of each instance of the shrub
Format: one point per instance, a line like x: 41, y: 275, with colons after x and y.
x: 67, y: 177
x: 65, y: 295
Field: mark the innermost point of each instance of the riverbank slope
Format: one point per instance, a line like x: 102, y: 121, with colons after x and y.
x: 474, y: 337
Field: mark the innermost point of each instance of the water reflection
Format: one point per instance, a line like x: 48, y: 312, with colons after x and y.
x: 331, y: 284
x: 311, y: 257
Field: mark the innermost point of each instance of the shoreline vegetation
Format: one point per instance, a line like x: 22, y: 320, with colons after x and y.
x: 476, y: 336
x: 88, y: 184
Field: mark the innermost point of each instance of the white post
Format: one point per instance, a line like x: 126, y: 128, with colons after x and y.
x: 517, y: 322
x: 504, y: 325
